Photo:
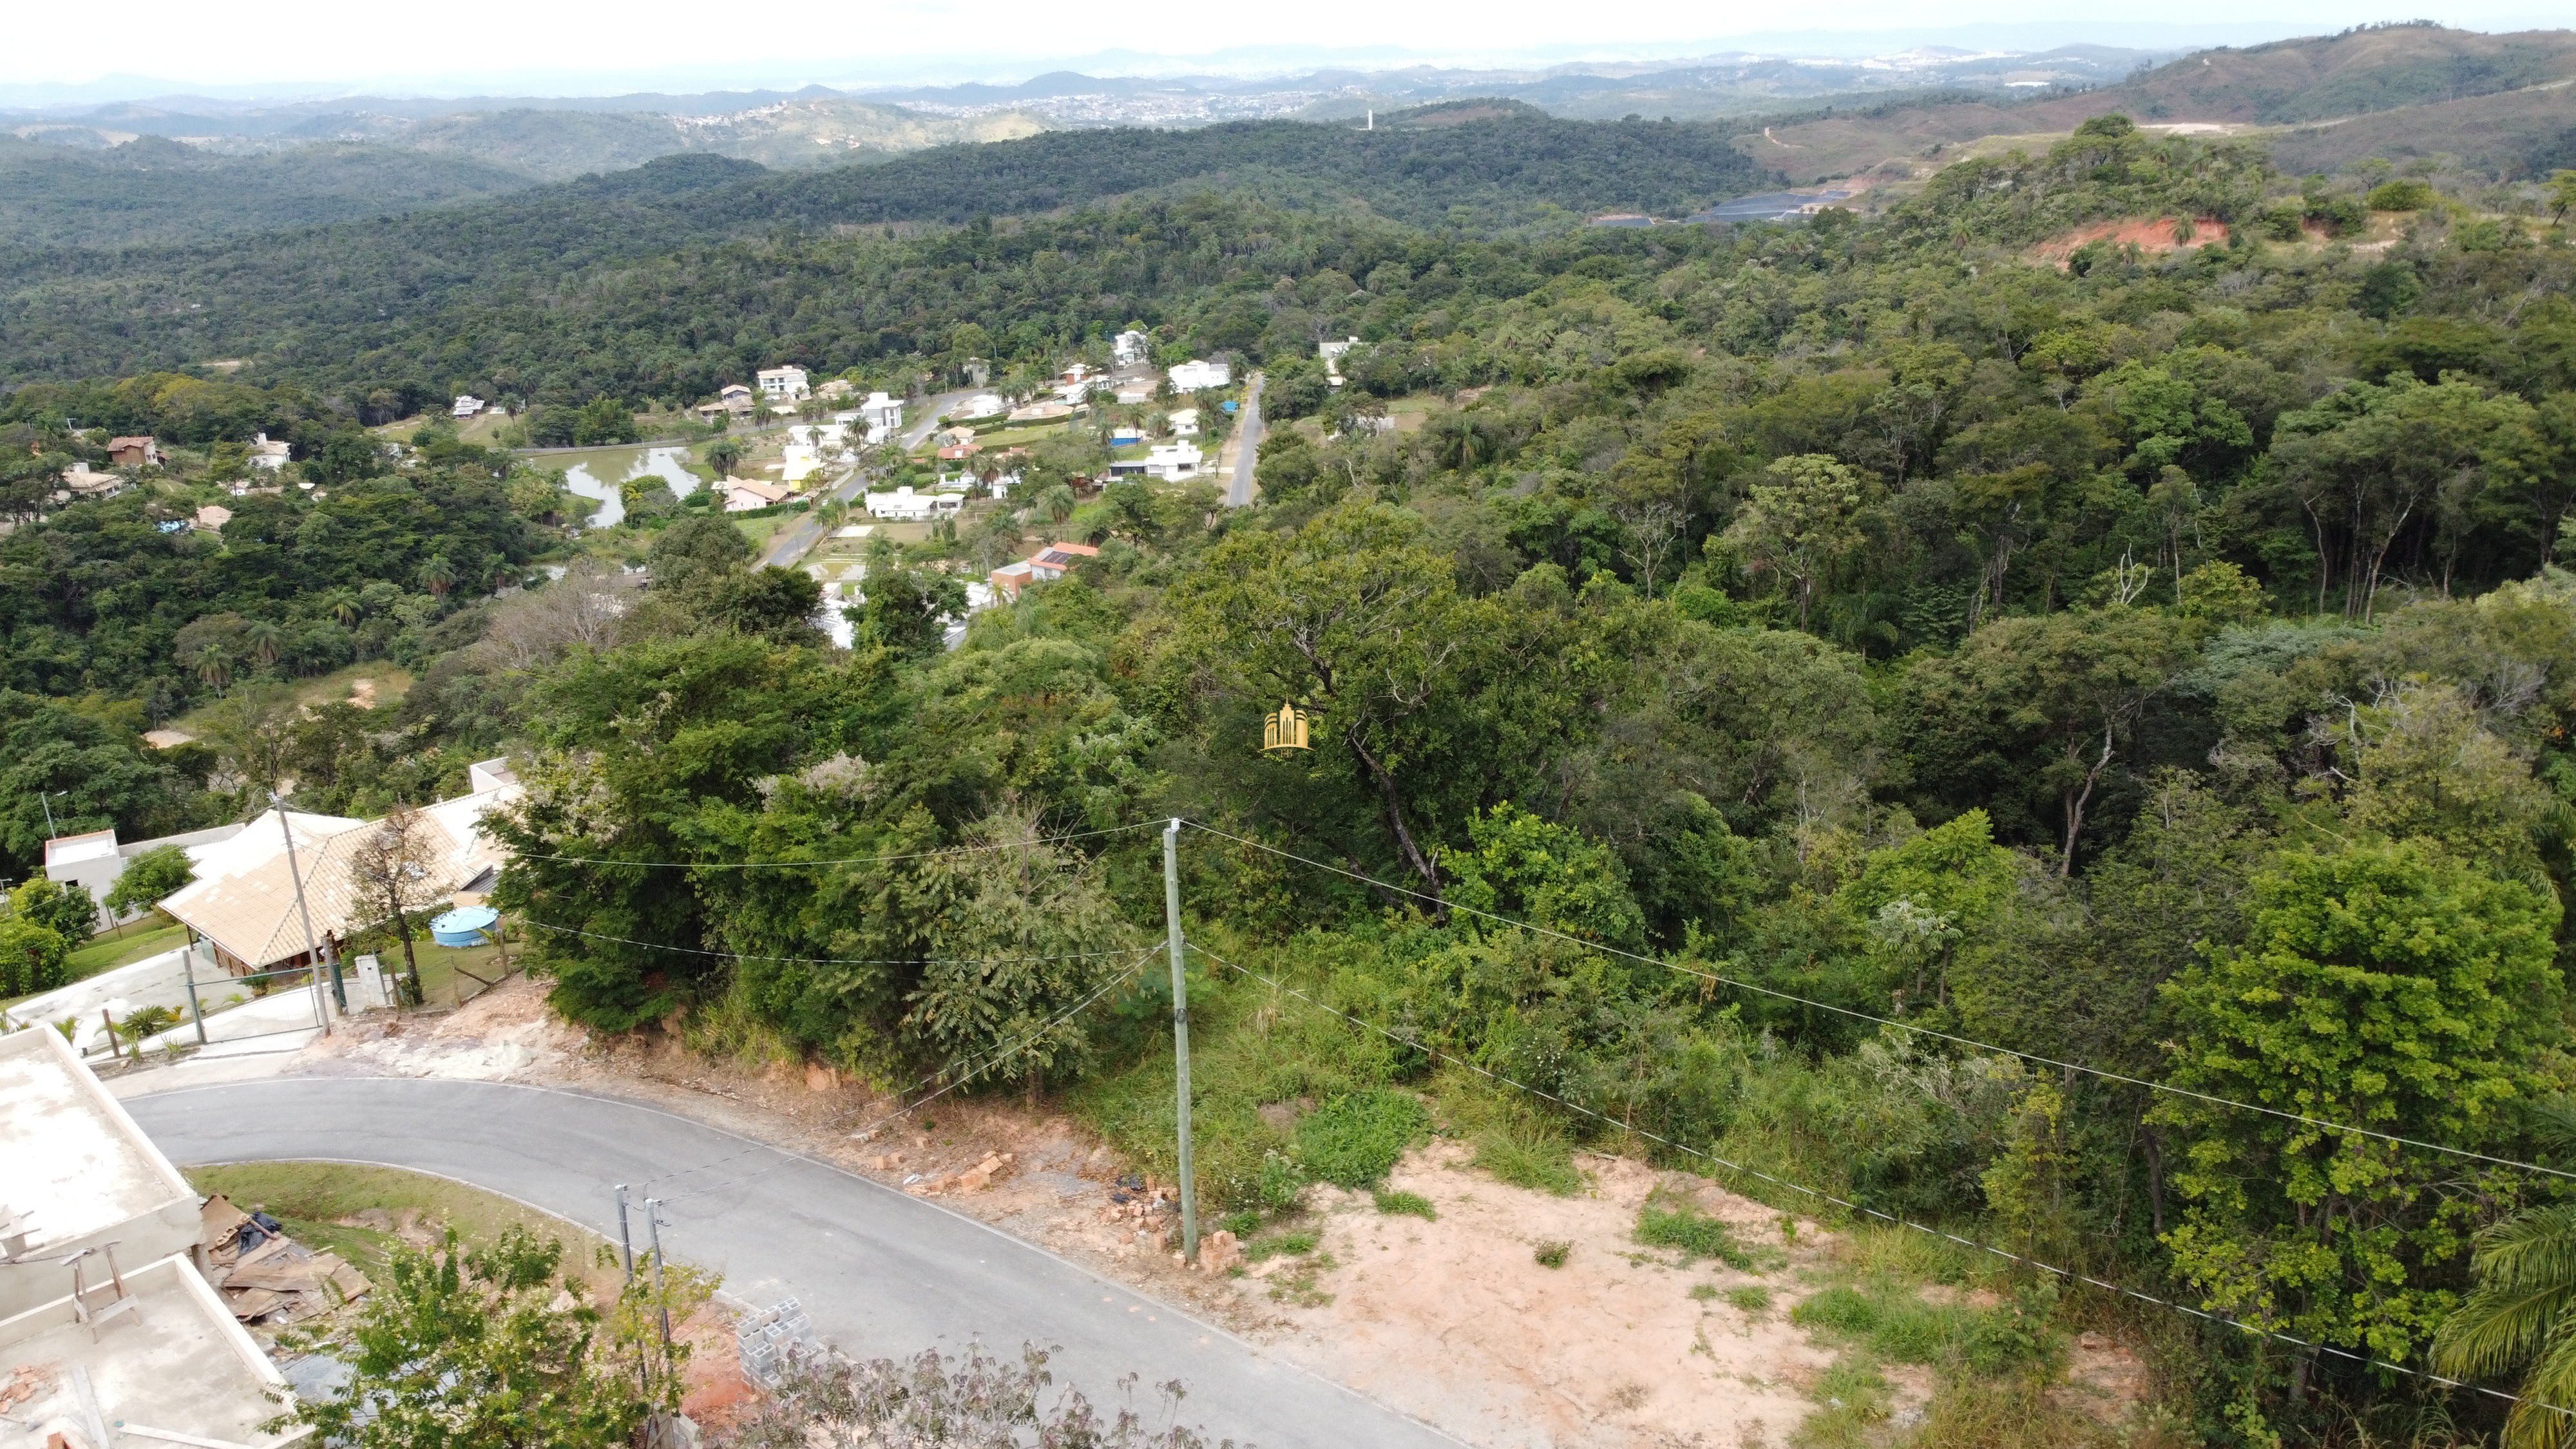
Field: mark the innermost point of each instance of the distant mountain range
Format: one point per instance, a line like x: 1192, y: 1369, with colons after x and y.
x: 185, y: 167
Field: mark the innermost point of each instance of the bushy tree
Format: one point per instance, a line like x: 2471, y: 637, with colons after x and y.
x: 2385, y: 985
x: 150, y: 877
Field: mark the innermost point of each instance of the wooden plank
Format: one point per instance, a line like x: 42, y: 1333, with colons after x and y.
x: 253, y: 1302
x: 278, y: 1277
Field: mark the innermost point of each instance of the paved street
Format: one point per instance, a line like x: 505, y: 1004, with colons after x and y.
x: 881, y: 1273
x: 790, y: 544
x: 1248, y: 428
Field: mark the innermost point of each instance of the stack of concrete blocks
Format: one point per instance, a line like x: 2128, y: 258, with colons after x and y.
x: 773, y: 1340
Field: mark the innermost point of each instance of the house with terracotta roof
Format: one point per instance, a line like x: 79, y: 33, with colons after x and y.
x: 1049, y: 563
x: 135, y: 452
x: 243, y: 902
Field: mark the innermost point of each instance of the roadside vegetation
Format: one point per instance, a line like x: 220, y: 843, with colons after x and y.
x: 1796, y: 689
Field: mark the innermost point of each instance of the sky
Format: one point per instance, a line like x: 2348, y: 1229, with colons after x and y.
x: 577, y: 47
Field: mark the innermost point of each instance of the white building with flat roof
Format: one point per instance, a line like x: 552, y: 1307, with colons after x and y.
x: 1193, y: 375
x: 1172, y: 462
x: 783, y: 384
x: 882, y: 416
x: 903, y: 505
x: 1129, y: 349
x: 106, y: 1317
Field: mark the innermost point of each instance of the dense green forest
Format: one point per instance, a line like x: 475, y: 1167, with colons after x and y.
x: 548, y: 283
x: 153, y: 190
x: 2154, y: 663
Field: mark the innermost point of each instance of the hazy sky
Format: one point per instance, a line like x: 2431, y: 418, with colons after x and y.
x: 566, y: 47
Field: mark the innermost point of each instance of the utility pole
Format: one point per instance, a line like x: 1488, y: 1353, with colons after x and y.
x: 50, y: 831
x: 625, y: 1239
x: 1180, y: 1034
x: 661, y: 1298
x: 312, y: 952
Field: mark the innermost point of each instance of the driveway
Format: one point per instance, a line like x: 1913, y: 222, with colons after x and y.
x: 881, y: 1273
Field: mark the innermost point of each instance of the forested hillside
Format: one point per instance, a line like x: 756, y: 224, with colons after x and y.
x: 394, y: 293
x: 2073, y: 755
x: 155, y: 191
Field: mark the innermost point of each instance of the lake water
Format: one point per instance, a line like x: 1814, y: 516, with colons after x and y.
x: 663, y: 463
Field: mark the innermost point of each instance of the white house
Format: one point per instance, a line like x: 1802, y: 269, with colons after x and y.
x: 96, y: 861
x: 883, y: 416
x: 1185, y: 423
x: 799, y: 464
x: 1173, y: 461
x: 1332, y: 352
x: 1129, y: 349
x: 268, y: 455
x: 1073, y: 394
x: 1194, y: 374
x: 907, y: 506
x: 783, y: 384
x: 467, y: 405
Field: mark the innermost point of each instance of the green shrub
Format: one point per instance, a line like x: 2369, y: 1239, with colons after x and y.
x: 1551, y: 1253
x: 1412, y: 1204
x: 2400, y: 196
x: 1282, y: 1185
x: 1703, y: 1292
x: 1529, y: 1157
x: 1242, y: 1224
x: 1695, y: 1234
x: 31, y: 957
x: 1750, y: 1298
x: 1354, y: 1140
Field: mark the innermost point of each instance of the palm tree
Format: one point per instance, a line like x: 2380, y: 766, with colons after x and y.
x: 263, y: 638
x: 724, y: 455
x: 2522, y: 1308
x: 215, y: 666
x: 345, y: 607
x: 2519, y: 1312
x: 436, y: 576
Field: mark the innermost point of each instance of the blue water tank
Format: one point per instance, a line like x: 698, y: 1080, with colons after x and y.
x: 464, y: 926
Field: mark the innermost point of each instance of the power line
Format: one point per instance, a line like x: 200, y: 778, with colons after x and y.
x: 852, y: 860
x: 1821, y: 1195
x: 831, y: 960
x: 962, y: 1072
x: 1860, y: 1015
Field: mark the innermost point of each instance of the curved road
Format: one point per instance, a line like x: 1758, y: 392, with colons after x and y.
x: 881, y: 1273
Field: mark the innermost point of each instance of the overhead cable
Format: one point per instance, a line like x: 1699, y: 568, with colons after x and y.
x: 852, y: 860
x: 1886, y: 1021
x: 1821, y: 1195
x: 831, y: 960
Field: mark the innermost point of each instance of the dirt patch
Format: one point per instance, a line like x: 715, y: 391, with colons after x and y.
x: 1457, y: 1322
x: 2156, y: 235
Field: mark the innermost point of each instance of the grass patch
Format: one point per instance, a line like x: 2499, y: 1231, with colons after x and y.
x: 1749, y: 1298
x: 1694, y: 1234
x: 1851, y: 1398
x: 1552, y: 1253
x: 2012, y: 1413
x: 1410, y: 1204
x: 1289, y: 1245
x: 1355, y: 1139
x: 1894, y: 1323
x: 315, y: 1200
x: 1531, y: 1156
x: 1703, y: 1292
x: 1298, y: 1285
x: 127, y: 944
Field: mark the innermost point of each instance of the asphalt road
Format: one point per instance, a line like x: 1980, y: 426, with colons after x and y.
x: 1239, y: 492
x: 881, y: 1273
x: 789, y: 545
